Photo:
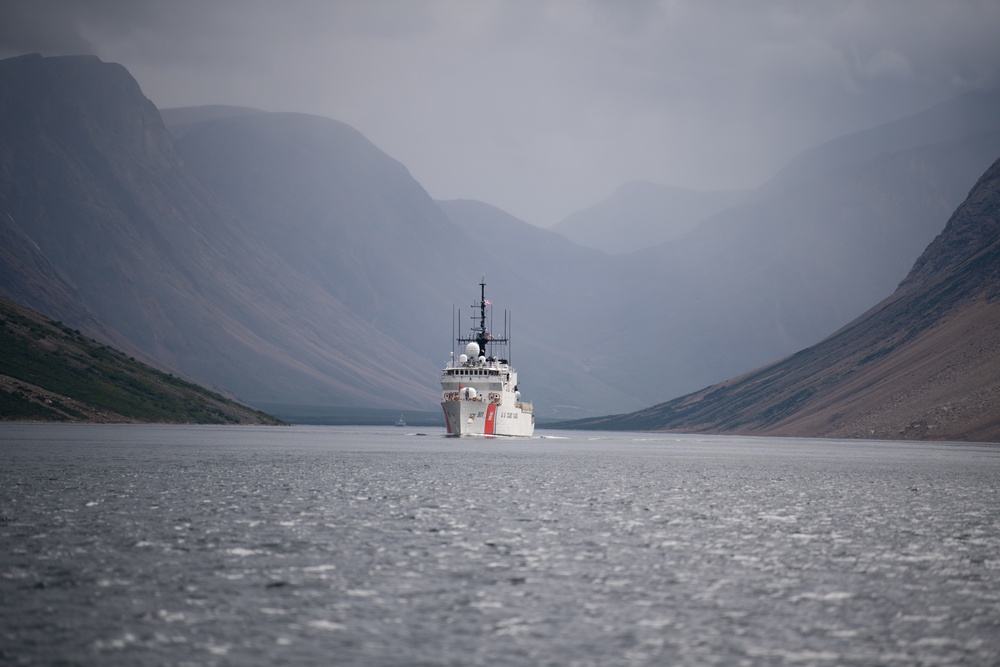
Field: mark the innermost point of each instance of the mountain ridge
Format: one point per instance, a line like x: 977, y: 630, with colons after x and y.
x: 287, y: 259
x: 922, y: 364
x: 159, y: 259
x: 640, y: 214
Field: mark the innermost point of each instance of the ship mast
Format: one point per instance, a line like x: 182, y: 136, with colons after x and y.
x: 482, y: 335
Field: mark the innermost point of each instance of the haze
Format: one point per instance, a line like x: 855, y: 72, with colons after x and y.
x: 544, y: 107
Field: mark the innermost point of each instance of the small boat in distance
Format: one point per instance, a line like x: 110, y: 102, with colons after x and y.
x: 479, y: 390
x: 400, y: 421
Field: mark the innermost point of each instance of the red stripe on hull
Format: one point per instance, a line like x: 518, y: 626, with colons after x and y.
x: 491, y: 414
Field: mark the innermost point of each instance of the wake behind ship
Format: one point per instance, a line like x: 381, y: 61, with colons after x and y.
x: 479, y: 391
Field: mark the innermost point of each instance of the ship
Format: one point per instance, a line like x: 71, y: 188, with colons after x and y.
x: 479, y: 390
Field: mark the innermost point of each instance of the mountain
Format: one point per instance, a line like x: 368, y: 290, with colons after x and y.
x: 967, y: 115
x: 353, y: 221
x: 781, y: 272
x: 640, y: 214
x: 92, y: 184
x: 50, y: 372
x: 280, y: 256
x: 177, y: 118
x: 328, y: 202
x: 923, y: 363
x: 772, y: 275
x: 286, y: 259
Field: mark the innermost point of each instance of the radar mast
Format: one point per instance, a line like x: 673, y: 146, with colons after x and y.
x: 480, y: 332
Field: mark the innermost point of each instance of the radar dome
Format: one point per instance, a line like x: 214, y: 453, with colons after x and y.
x: 472, y: 350
x: 462, y: 358
x: 469, y: 392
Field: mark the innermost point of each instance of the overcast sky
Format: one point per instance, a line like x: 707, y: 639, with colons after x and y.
x: 545, y: 107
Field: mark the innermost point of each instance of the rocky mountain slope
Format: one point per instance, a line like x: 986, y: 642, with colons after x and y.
x: 50, y: 372
x: 924, y: 363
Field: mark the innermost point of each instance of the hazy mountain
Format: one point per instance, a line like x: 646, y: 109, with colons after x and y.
x: 346, y: 215
x: 176, y: 119
x: 641, y: 214
x: 91, y: 183
x: 287, y: 259
x: 355, y: 222
x: 772, y: 276
x: 967, y: 115
x: 50, y: 372
x: 312, y: 269
x: 758, y: 281
x: 923, y: 363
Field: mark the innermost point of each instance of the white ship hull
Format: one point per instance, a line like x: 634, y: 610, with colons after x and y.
x: 479, y: 390
x: 478, y: 417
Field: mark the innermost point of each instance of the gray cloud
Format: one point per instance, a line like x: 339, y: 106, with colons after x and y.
x: 543, y: 107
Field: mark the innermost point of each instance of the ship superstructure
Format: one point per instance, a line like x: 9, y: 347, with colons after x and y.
x: 479, y: 390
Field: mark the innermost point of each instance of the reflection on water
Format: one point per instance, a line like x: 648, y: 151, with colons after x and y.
x: 232, y: 545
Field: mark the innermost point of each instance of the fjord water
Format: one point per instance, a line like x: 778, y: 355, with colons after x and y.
x: 123, y: 545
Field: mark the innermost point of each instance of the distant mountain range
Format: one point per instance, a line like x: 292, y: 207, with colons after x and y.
x: 641, y: 214
x: 287, y: 260
x: 802, y: 257
x: 923, y: 363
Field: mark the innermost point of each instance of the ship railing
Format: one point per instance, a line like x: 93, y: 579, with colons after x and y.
x: 457, y: 396
x: 525, y: 407
x: 493, y: 364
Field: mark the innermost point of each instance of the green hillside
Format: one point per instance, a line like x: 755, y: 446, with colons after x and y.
x: 50, y: 372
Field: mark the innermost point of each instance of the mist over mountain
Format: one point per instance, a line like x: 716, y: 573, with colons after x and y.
x: 329, y: 203
x: 279, y: 256
x: 968, y: 115
x: 354, y: 221
x: 759, y: 281
x: 777, y: 273
x: 176, y: 119
x: 641, y: 214
x: 286, y: 259
x: 923, y: 363
x: 92, y: 183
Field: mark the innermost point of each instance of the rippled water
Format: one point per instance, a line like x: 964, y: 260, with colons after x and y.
x: 123, y: 545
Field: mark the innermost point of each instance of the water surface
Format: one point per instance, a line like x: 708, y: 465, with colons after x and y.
x: 123, y: 545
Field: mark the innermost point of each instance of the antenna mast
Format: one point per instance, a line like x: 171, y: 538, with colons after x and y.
x: 480, y: 333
